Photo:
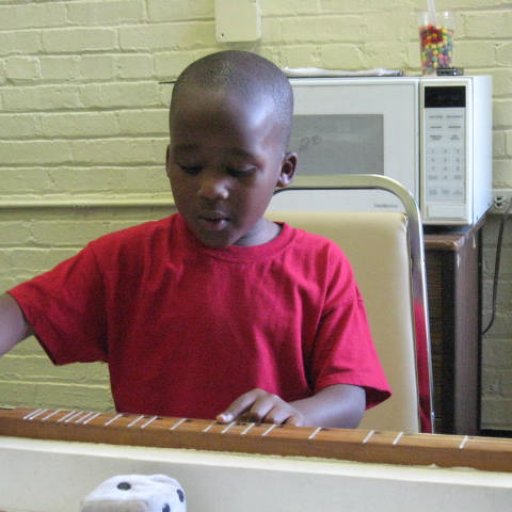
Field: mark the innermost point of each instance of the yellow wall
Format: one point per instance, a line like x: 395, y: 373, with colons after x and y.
x: 83, y: 118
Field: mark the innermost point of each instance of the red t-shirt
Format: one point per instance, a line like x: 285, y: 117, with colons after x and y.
x: 186, y: 329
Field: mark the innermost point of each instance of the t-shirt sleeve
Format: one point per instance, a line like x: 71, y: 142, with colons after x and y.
x: 344, y: 350
x: 66, y: 309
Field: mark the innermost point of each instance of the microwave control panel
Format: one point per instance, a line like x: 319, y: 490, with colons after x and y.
x: 444, y: 151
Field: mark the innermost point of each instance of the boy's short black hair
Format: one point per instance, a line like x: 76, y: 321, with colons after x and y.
x: 243, y: 73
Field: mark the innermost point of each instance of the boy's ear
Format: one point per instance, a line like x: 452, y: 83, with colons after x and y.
x: 168, y: 160
x: 288, y: 167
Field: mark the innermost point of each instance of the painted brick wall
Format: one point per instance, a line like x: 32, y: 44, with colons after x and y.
x: 497, y: 343
x: 83, y: 117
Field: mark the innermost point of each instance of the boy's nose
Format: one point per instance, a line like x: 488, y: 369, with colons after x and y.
x: 213, y: 186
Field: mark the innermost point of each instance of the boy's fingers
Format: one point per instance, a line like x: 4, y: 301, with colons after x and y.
x: 253, y: 406
x: 238, y: 407
x: 284, y: 414
x: 224, y: 417
x: 261, y: 407
x: 296, y: 420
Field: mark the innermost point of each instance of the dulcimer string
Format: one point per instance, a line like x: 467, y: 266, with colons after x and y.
x: 483, y: 453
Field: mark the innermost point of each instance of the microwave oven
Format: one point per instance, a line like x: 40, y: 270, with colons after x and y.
x: 431, y: 134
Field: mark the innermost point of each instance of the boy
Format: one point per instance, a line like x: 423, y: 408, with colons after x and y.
x: 214, y: 311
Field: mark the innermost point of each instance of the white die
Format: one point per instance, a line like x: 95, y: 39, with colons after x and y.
x: 136, y: 493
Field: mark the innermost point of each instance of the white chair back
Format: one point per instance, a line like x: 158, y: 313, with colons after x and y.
x: 386, y: 252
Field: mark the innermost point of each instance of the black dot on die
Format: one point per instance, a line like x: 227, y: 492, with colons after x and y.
x: 124, y: 486
x: 181, y: 495
x: 166, y: 508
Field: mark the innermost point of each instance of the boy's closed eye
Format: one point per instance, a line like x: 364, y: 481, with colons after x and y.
x: 240, y: 172
x: 190, y: 169
x: 237, y: 172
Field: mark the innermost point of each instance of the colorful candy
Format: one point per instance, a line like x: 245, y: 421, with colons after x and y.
x: 436, y: 47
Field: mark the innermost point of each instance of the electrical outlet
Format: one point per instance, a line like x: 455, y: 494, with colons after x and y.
x: 501, y: 198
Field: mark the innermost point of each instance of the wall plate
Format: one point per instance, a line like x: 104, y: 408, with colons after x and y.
x: 237, y: 20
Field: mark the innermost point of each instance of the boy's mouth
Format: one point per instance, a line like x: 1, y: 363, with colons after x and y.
x: 213, y: 221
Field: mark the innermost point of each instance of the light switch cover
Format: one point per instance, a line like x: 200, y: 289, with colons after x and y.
x: 237, y: 20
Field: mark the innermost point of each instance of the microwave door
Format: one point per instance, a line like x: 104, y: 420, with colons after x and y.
x: 347, y: 126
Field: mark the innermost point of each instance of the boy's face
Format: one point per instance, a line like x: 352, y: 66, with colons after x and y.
x: 224, y: 162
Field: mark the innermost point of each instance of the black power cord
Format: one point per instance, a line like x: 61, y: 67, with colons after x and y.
x: 497, y: 262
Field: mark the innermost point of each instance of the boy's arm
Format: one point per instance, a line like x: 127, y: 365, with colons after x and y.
x: 13, y: 326
x: 340, y: 406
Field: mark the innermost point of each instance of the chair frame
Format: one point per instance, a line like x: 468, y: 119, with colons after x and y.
x: 415, y: 243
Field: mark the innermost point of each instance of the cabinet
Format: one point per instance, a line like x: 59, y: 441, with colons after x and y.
x: 453, y: 266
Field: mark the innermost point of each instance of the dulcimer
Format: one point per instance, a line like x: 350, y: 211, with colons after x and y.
x: 483, y: 453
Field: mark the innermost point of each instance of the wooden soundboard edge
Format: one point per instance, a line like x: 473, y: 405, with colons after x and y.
x: 487, y: 454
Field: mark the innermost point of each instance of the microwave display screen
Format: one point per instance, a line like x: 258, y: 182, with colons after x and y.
x: 339, y: 144
x: 443, y: 97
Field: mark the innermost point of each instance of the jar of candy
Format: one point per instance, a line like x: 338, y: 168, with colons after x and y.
x: 436, y: 40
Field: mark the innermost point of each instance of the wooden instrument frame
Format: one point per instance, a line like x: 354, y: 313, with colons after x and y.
x: 483, y: 453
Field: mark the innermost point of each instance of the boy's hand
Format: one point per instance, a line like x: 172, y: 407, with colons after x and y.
x: 339, y: 406
x: 261, y: 407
